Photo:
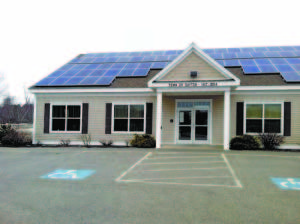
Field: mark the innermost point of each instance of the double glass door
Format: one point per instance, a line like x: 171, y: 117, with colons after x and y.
x: 193, y: 125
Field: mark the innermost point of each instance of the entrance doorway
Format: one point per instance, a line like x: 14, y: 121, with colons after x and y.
x: 193, y: 122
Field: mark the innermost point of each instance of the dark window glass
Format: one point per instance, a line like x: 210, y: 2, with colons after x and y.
x: 201, y: 133
x: 137, y: 111
x: 185, y: 133
x: 254, y: 125
x: 121, y: 125
x: 58, y: 124
x: 201, y: 117
x: 136, y: 124
x: 73, y: 125
x: 185, y: 117
x: 73, y: 111
x: 272, y: 126
x: 121, y: 111
x: 58, y: 111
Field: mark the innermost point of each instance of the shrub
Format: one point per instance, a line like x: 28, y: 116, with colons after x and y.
x: 244, y: 142
x: 65, y: 143
x: 106, y: 143
x: 143, y: 141
x: 5, y: 129
x: 86, y: 140
x: 14, y: 138
x: 270, y: 140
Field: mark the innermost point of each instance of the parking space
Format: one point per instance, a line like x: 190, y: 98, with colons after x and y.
x: 146, y: 186
x: 180, y: 168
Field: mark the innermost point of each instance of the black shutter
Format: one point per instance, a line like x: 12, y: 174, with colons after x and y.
x: 108, y: 118
x: 239, y: 118
x: 46, y: 118
x: 287, y: 119
x: 85, y: 118
x: 149, y: 111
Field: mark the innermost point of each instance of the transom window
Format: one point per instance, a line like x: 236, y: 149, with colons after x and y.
x: 264, y: 118
x: 129, y: 118
x: 66, y: 118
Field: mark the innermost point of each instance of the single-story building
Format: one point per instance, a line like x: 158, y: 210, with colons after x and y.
x: 192, y: 96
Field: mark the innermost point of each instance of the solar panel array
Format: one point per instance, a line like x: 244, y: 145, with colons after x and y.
x: 101, y: 69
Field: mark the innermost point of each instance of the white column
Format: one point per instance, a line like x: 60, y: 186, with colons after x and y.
x: 158, y: 119
x: 226, y: 119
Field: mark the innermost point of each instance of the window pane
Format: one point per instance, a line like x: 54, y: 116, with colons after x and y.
x: 201, y: 133
x: 185, y: 133
x: 73, y: 111
x: 254, y: 125
x: 58, y: 124
x: 136, y: 124
x: 272, y: 126
x: 121, y: 111
x: 58, y: 111
x: 137, y: 111
x: 254, y: 111
x: 73, y: 125
x: 201, y: 117
x: 121, y: 125
x: 272, y: 110
x: 185, y: 117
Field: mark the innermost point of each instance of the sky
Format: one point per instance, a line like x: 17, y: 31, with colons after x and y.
x: 39, y: 36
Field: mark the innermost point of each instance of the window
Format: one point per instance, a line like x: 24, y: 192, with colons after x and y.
x: 264, y: 118
x: 66, y: 118
x: 129, y: 118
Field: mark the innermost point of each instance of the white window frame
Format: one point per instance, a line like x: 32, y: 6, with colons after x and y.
x: 128, y: 132
x: 263, y: 116
x: 66, y: 105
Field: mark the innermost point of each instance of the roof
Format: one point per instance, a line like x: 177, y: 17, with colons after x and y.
x: 256, y: 66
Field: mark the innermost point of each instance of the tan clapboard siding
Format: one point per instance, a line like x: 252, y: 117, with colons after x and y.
x: 169, y: 108
x: 295, y: 111
x: 193, y: 63
x: 168, y: 131
x: 96, y: 126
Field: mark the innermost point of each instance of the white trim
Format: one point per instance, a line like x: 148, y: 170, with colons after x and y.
x: 209, y: 124
x: 34, y: 120
x: 92, y: 90
x: 128, y: 104
x: 158, y: 119
x: 66, y: 118
x: 92, y: 143
x: 263, y: 116
x: 226, y: 120
x: 255, y: 88
x: 188, y: 90
x: 193, y: 48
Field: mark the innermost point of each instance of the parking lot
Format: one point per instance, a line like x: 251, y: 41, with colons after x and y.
x: 147, y: 186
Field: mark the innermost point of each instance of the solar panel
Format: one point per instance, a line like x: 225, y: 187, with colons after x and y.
x: 291, y: 76
x: 92, y: 68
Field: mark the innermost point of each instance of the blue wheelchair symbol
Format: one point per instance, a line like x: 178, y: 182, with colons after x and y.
x: 69, y: 174
x: 287, y: 183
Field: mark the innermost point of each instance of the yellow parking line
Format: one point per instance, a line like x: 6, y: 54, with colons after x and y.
x: 232, y: 171
x: 180, y: 157
x: 181, y: 178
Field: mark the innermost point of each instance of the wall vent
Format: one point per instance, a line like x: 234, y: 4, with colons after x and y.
x: 193, y: 74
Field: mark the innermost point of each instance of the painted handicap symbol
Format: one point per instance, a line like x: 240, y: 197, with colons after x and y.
x: 68, y: 174
x: 287, y: 183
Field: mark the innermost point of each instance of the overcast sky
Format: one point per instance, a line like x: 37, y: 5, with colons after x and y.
x: 38, y: 36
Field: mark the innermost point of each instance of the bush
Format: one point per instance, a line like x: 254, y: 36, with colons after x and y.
x: 86, y: 140
x: 270, y: 140
x: 5, y: 129
x: 65, y: 142
x: 106, y: 143
x: 244, y: 142
x: 14, y: 138
x: 143, y: 141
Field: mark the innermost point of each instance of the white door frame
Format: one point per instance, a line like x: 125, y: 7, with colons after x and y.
x: 210, y: 114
